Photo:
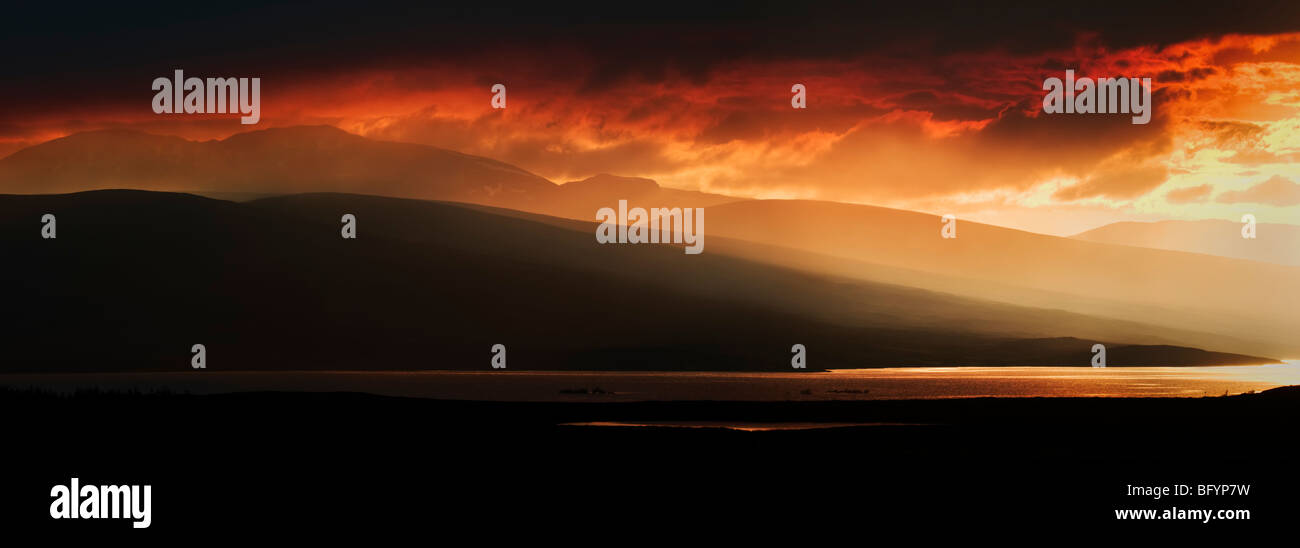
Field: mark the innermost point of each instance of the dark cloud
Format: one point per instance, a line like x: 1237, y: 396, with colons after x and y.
x: 947, y: 108
x: 1285, y: 51
x: 104, y: 54
x: 1192, y: 75
x: 905, y: 99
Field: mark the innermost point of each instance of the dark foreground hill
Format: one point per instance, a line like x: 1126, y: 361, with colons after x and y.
x: 134, y: 279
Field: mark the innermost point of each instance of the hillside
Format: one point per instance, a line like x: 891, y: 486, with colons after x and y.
x: 135, y: 278
x: 1177, y: 297
x: 1255, y: 304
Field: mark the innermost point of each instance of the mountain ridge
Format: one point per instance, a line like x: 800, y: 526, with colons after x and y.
x: 322, y: 158
x: 135, y: 277
x: 1276, y: 243
x: 1187, y: 292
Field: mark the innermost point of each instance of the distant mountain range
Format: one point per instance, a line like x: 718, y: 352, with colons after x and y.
x: 1232, y: 304
x: 311, y: 159
x: 134, y: 279
x: 1273, y: 243
x: 838, y: 266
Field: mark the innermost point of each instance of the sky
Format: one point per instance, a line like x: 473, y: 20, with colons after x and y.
x: 935, y: 109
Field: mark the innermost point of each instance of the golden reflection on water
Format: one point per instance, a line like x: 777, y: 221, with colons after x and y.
x: 602, y: 386
x: 741, y: 426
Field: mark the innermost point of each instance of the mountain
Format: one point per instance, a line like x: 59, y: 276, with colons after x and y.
x: 1249, y: 306
x: 279, y: 161
x: 1273, y: 243
x: 1176, y: 297
x: 581, y: 199
x: 134, y: 279
x: 301, y: 159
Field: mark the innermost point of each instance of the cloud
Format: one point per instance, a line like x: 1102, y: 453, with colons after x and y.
x: 1191, y: 75
x: 1127, y: 182
x: 900, y: 110
x: 1259, y: 157
x: 1276, y: 190
x: 1189, y: 194
x: 1231, y: 133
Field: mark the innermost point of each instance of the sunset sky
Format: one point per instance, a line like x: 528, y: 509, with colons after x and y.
x: 936, y: 113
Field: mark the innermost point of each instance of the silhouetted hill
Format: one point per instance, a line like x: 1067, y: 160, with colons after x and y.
x: 135, y: 278
x: 1192, y: 300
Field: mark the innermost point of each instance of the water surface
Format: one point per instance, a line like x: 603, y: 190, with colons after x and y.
x: 846, y: 384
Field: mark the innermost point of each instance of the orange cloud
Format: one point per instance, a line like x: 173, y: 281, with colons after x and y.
x: 1276, y: 190
x: 885, y: 127
x: 1188, y: 195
